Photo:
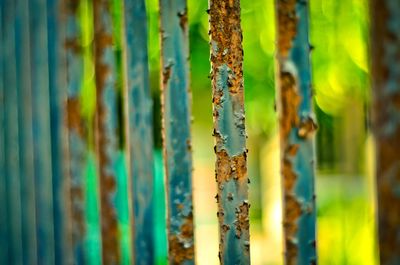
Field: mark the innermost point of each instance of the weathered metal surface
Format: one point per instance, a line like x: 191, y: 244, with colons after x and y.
x: 176, y: 106
x: 229, y: 131
x: 41, y: 131
x: 11, y: 144
x: 297, y: 128
x: 22, y: 39
x: 110, y: 130
x: 140, y: 112
x: 56, y: 29
x: 77, y: 126
x: 4, y: 255
x: 385, y: 50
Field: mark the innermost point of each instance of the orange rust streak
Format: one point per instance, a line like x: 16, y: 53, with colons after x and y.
x: 287, y: 25
x: 177, y: 249
x: 226, y: 32
x: 109, y: 225
x: 289, y: 120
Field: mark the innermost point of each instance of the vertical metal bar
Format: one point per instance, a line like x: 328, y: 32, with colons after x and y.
x: 4, y: 247
x: 41, y: 131
x: 12, y: 134
x: 229, y: 131
x: 297, y: 126
x: 385, y: 50
x: 28, y: 216
x: 140, y: 113
x: 77, y: 128
x: 58, y: 94
x: 176, y: 109
x: 110, y: 130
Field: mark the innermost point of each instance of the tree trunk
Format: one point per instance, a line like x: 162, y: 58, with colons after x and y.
x: 176, y: 109
x: 229, y: 131
x: 385, y: 44
x: 297, y: 128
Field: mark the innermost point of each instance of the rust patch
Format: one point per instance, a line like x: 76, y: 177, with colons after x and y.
x: 292, y: 211
x: 242, y: 219
x: 230, y: 167
x: 167, y: 74
x: 74, y: 121
x: 179, y: 249
x: 72, y: 6
x: 78, y: 215
x: 290, y: 101
x: 307, y: 128
x: 287, y: 25
x: 74, y: 45
x: 226, y: 36
x: 183, y: 19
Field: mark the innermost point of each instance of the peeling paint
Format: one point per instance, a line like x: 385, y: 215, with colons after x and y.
x: 297, y: 127
x: 176, y: 107
x: 385, y: 52
x: 229, y: 131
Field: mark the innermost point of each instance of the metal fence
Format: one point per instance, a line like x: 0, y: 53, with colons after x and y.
x: 76, y: 135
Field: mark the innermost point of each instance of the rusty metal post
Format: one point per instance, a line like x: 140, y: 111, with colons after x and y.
x: 11, y: 144
x: 22, y: 40
x: 41, y: 131
x: 176, y: 109
x: 111, y: 142
x: 229, y: 131
x: 140, y: 109
x: 297, y: 128
x: 385, y: 51
x: 56, y: 28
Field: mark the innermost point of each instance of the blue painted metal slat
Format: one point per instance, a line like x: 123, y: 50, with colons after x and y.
x: 12, y: 135
x: 22, y: 39
x: 41, y: 131
x: 4, y: 248
x: 229, y: 131
x: 297, y: 128
x: 140, y: 115
x: 176, y: 103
